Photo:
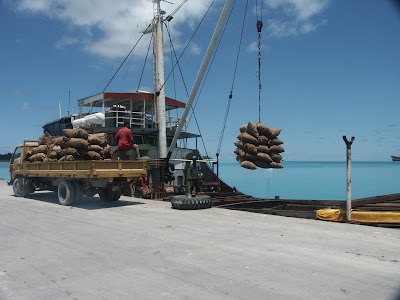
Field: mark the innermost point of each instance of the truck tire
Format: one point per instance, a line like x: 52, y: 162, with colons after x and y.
x: 108, y: 195
x: 78, y: 191
x: 21, y: 188
x: 66, y: 192
x: 197, y: 202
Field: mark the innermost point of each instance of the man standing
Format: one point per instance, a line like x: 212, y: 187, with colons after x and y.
x: 124, y: 139
x: 195, y: 172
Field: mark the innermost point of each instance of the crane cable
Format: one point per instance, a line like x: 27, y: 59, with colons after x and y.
x: 233, y: 82
x: 259, y: 29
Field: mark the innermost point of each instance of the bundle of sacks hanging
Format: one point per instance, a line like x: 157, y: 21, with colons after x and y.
x: 75, y: 144
x: 259, y: 146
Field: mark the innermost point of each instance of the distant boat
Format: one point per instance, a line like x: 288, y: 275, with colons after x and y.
x: 395, y: 158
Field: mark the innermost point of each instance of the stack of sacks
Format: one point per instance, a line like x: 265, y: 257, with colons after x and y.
x: 259, y: 146
x: 76, y: 144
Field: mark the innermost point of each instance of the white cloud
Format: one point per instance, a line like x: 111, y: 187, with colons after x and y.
x: 104, y: 27
x: 195, y: 49
x: 295, y: 16
x: 25, y: 106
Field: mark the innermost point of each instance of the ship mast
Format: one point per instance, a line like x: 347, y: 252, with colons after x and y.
x: 159, y: 88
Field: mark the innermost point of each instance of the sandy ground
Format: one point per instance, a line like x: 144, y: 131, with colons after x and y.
x: 143, y: 249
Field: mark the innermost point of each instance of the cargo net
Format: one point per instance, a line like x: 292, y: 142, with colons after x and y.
x: 259, y: 146
x: 75, y: 144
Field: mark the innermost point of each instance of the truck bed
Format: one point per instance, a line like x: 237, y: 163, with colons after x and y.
x: 89, y: 169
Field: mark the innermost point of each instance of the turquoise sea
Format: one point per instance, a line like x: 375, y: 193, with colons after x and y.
x: 306, y: 180
x: 314, y: 180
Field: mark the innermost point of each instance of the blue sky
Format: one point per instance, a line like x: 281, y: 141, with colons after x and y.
x: 329, y: 68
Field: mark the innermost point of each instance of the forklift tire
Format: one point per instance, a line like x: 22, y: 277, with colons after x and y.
x: 66, y: 192
x: 196, y: 202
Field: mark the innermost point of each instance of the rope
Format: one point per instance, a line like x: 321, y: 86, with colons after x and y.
x: 188, y: 43
x: 184, y: 84
x: 144, y: 65
x: 233, y: 82
x: 123, y: 62
x: 259, y: 29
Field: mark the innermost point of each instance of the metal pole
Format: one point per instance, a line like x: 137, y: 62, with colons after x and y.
x: 210, y: 50
x: 159, y: 81
x: 348, y: 167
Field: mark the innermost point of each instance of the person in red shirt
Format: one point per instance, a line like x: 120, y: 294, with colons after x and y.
x: 124, y: 139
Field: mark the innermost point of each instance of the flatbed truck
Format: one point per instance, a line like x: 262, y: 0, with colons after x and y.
x: 72, y: 179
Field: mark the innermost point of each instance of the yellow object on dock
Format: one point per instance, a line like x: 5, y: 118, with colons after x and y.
x: 365, y: 217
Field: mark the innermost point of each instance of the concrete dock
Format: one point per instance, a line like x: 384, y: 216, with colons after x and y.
x: 143, y: 249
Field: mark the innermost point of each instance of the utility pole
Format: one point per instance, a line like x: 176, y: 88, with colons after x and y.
x: 348, y: 168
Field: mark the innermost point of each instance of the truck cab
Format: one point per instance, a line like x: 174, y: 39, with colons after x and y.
x: 18, y: 157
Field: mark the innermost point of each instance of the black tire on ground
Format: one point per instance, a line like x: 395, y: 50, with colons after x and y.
x: 21, y: 188
x: 108, y: 195
x: 66, y: 192
x: 197, y: 202
x: 78, y: 191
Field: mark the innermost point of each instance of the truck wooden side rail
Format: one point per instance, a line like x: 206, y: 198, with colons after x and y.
x: 72, y: 179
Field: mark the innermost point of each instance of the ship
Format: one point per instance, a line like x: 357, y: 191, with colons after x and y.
x: 395, y: 158
x: 161, y: 135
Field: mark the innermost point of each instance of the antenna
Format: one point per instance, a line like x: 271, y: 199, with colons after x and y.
x: 59, y: 107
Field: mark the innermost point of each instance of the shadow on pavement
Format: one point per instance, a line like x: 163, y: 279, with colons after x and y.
x: 89, y: 203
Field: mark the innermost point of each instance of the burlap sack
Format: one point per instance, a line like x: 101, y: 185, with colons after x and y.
x: 239, y: 144
x: 45, y: 139
x: 247, y: 138
x: 57, y: 140
x: 92, y: 155
x: 276, y: 149
x: 276, y: 157
x: 239, y: 152
x: 252, y: 129
x: 68, y: 132
x: 72, y: 151
x: 276, y: 142
x: 248, y: 165
x: 55, y: 148
x: 263, y: 149
x: 67, y: 158
x: 262, y: 164
x: 38, y: 157
x: 48, y: 159
x: 264, y: 157
x: 250, y: 148
x: 239, y: 159
x: 263, y: 129
x: 276, y: 165
x: 77, y: 143
x: 80, y: 133
x: 107, y: 148
x: 263, y: 140
x: 105, y: 154
x: 98, y: 139
x: 52, y: 155
x: 274, y: 132
x: 243, y: 128
x: 39, y: 149
x: 96, y: 148
x: 249, y: 157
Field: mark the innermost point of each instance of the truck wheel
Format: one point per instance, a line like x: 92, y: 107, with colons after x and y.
x: 197, y: 202
x: 21, y: 188
x: 66, y: 192
x: 78, y: 191
x: 109, y: 196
